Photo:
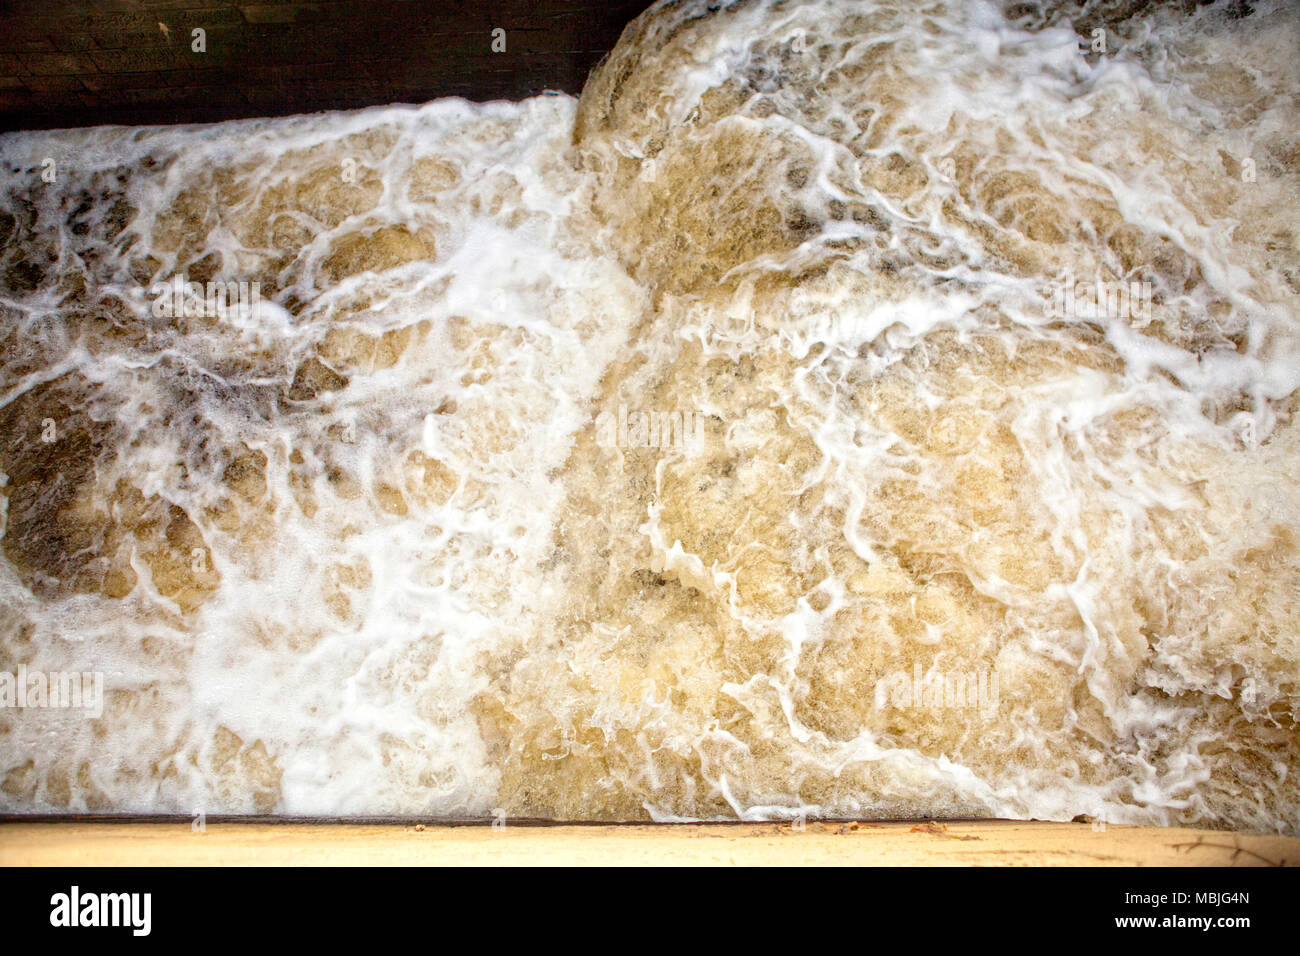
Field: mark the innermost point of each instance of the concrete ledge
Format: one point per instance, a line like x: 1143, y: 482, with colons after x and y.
x: 983, y: 843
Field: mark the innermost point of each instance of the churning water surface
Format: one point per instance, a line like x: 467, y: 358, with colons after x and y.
x: 842, y: 408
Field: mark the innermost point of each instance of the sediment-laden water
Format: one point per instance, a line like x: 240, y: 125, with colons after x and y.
x: 850, y: 409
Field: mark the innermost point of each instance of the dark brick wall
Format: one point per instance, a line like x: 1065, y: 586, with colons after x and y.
x: 88, y: 62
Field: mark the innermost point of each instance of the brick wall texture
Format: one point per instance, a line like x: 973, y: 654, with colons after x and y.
x: 135, y: 62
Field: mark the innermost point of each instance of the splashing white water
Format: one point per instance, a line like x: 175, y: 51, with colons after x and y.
x: 361, y: 547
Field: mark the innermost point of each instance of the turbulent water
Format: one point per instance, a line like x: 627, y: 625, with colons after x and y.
x: 841, y: 409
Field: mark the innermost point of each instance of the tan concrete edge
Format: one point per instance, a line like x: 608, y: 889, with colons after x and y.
x: 984, y: 843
